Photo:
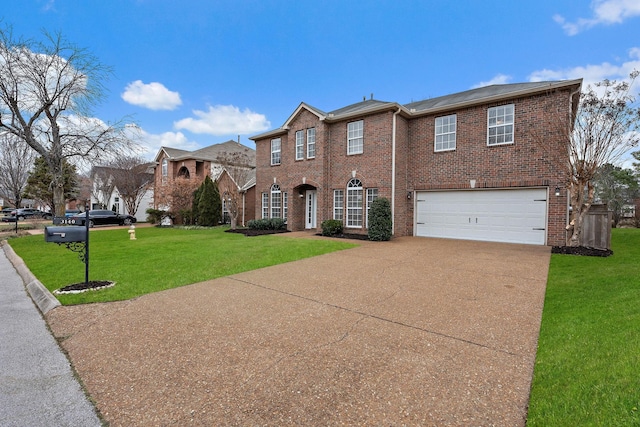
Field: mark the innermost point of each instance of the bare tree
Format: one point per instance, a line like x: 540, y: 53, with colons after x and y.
x: 239, y: 173
x: 133, y: 179
x: 606, y: 126
x: 85, y: 187
x: 16, y: 160
x: 177, y: 197
x: 103, y: 185
x: 47, y: 90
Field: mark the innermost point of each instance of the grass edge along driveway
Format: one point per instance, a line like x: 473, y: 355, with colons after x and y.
x: 587, y: 370
x: 160, y: 258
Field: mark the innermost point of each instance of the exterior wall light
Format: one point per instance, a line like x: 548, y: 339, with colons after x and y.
x: 557, y: 191
x: 408, y: 195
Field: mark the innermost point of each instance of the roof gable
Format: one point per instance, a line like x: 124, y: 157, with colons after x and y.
x: 303, y: 106
x: 229, y: 151
x: 169, y: 152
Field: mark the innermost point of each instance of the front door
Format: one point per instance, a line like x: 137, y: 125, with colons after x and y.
x: 310, y: 209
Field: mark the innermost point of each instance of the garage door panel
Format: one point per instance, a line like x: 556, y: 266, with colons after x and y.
x: 517, y: 216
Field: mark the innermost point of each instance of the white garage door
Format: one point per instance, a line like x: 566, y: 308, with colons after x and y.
x: 515, y: 216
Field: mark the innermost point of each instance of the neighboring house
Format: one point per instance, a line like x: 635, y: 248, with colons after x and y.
x: 242, y: 193
x: 172, y: 164
x: 106, y: 195
x: 483, y: 164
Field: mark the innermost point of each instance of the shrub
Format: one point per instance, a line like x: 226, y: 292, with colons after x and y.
x: 380, y: 223
x: 331, y: 227
x: 267, y: 224
x: 155, y: 216
x: 209, y: 204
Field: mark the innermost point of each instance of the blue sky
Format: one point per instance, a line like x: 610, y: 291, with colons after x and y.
x: 192, y: 73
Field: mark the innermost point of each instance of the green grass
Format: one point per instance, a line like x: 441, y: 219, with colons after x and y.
x: 160, y: 258
x: 587, y: 370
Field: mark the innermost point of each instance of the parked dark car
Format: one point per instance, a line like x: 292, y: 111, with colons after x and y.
x: 22, y: 214
x: 102, y: 217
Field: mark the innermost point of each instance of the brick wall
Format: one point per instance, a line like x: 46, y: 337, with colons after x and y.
x: 293, y: 176
x: 535, y: 159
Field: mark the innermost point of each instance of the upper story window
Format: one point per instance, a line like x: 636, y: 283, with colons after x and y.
x: 355, y: 137
x: 300, y: 145
x: 275, y: 151
x: 165, y: 167
x: 500, y: 125
x: 445, y: 133
x: 311, y: 143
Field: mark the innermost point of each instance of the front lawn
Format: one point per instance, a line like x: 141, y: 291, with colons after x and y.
x: 587, y: 370
x: 160, y: 258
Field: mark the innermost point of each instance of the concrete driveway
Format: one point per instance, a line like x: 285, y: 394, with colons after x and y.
x: 410, y: 332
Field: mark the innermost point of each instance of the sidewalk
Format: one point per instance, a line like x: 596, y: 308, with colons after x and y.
x: 37, y: 386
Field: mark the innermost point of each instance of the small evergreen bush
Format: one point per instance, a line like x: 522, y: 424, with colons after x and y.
x: 267, y: 224
x: 380, y: 223
x: 331, y: 227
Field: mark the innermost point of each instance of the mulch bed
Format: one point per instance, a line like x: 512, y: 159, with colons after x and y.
x: 581, y: 250
x: 250, y: 232
x: 348, y: 236
x: 92, y: 285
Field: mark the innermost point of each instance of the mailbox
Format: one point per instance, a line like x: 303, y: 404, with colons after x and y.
x: 69, y: 234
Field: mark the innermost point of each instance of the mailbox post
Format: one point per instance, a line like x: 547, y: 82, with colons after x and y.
x: 73, y: 237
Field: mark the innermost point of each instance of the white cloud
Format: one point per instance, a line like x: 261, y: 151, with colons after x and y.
x: 150, y: 143
x: 594, y: 73
x: 152, y: 95
x: 499, y: 79
x: 605, y: 12
x: 224, y: 120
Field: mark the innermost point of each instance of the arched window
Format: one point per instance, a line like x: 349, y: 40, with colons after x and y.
x: 276, y: 201
x: 184, y: 173
x: 354, y: 203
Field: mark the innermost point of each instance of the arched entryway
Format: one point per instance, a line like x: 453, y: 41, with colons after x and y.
x: 308, y: 195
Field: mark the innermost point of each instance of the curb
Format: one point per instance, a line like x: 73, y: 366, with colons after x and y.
x: 44, y: 300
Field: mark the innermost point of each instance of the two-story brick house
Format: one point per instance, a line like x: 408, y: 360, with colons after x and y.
x: 230, y: 163
x: 484, y: 164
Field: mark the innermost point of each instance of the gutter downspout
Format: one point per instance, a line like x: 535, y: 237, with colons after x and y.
x: 393, y: 173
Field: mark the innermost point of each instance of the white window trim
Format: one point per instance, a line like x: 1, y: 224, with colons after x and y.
x: 341, y: 207
x: 311, y: 142
x: 436, y: 134
x: 299, y: 145
x: 360, y: 136
x: 285, y: 205
x: 360, y: 208
x: 265, y: 205
x: 512, y: 123
x: 275, y: 189
x: 165, y: 167
x: 274, y: 151
x: 370, y: 198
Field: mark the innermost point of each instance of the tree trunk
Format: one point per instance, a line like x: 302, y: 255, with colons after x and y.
x: 580, y: 206
x: 58, y: 200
